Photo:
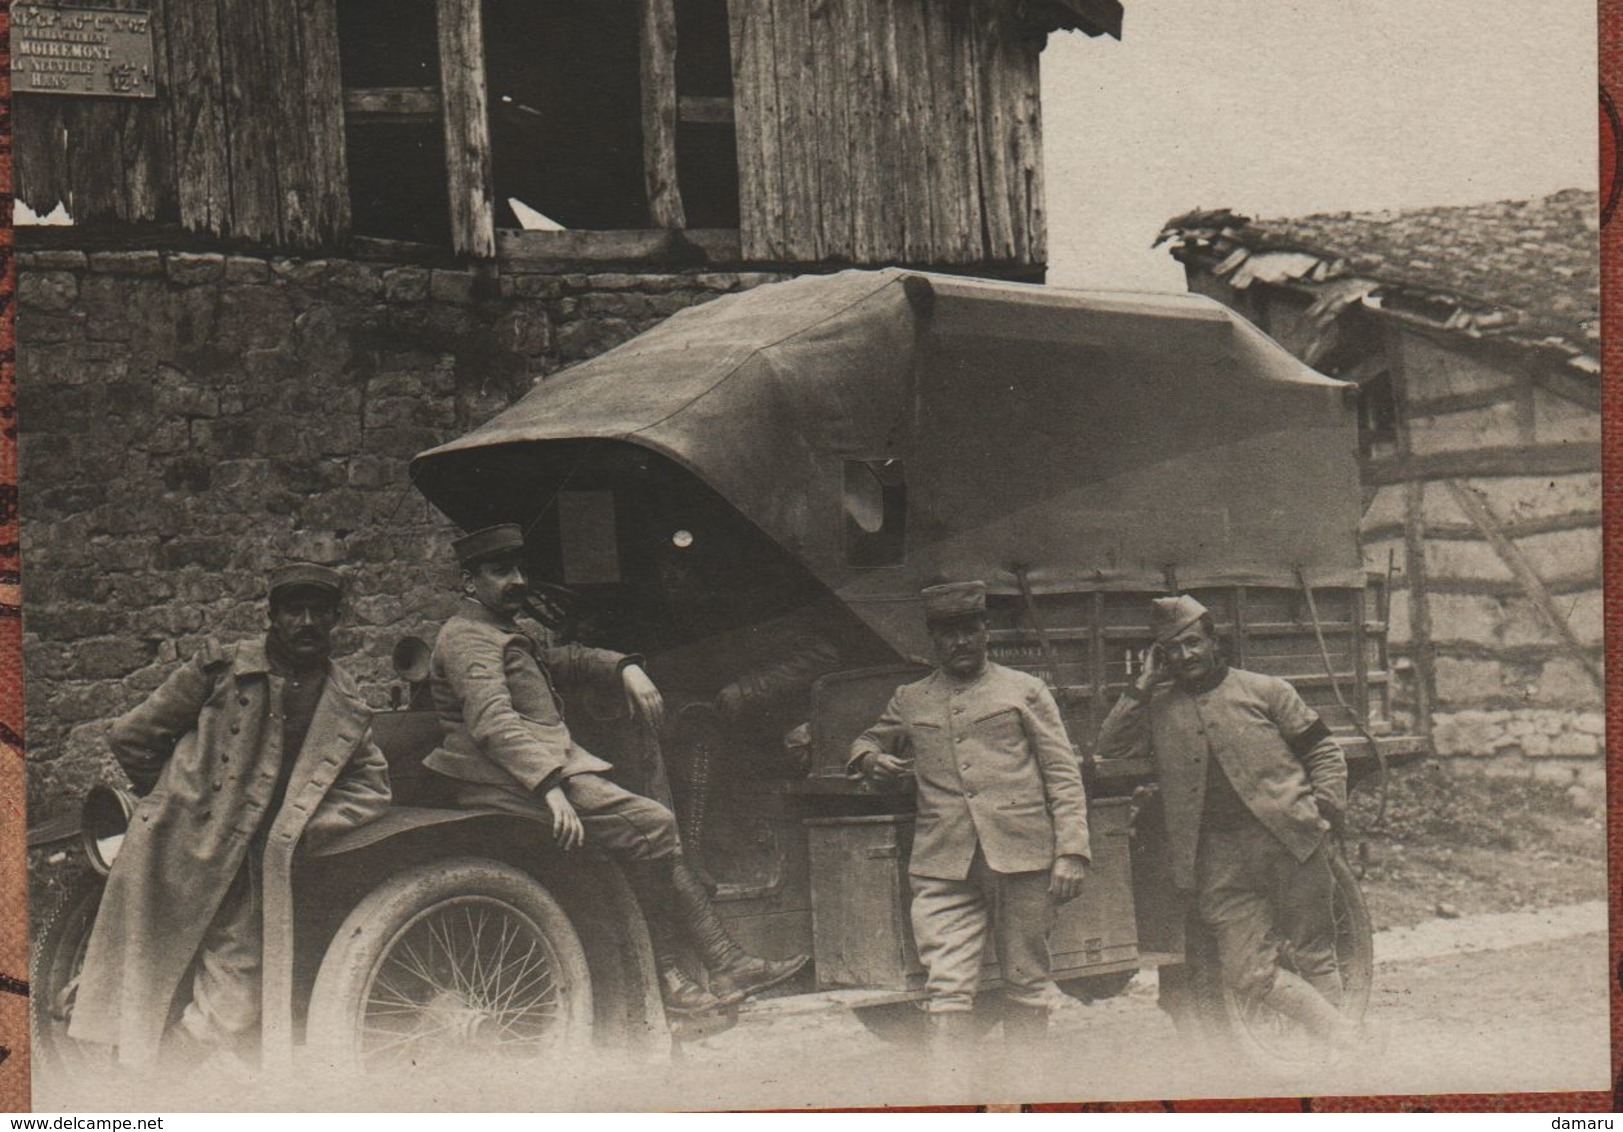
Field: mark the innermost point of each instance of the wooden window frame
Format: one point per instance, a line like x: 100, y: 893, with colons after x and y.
x: 461, y: 104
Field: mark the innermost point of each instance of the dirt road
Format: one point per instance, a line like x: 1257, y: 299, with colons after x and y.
x: 1485, y: 1004
x: 1490, y: 1003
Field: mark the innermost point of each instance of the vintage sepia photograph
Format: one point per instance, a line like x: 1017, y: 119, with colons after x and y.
x: 596, y: 555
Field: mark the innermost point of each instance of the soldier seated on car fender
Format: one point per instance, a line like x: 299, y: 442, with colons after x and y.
x: 244, y: 753
x: 505, y: 744
x: 1002, y: 830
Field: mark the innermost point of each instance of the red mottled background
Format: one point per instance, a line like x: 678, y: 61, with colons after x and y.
x: 14, y: 1084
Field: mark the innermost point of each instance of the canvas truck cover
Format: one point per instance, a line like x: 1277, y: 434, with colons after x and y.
x: 1087, y: 440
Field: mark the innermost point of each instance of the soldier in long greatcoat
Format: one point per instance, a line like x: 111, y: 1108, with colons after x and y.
x: 245, y: 754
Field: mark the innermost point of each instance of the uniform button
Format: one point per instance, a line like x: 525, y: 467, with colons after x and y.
x: 957, y: 738
x: 243, y: 700
x: 969, y: 793
x: 235, y: 730
x: 219, y: 785
x: 966, y: 766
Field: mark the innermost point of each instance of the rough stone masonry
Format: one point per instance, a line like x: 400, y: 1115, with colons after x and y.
x: 187, y: 420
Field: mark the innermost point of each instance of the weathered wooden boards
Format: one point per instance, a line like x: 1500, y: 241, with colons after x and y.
x: 869, y: 131
x: 659, y: 105
x: 466, y: 114
x: 244, y: 139
x: 103, y: 158
x: 883, y: 131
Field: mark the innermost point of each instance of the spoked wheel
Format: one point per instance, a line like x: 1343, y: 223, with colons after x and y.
x: 454, y: 963
x: 59, y: 958
x: 1275, y: 1042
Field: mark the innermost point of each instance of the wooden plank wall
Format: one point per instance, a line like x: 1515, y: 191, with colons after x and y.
x: 244, y: 139
x: 106, y: 158
x: 885, y: 131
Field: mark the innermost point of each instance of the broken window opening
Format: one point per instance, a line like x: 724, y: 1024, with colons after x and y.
x: 563, y: 94
x: 875, y: 498
x: 706, y: 140
x: 564, y: 84
x: 395, y: 145
x: 1377, y: 417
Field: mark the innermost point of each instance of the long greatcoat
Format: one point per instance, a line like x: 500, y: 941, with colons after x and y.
x: 204, y: 749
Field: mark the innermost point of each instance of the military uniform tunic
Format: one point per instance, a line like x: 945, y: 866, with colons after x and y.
x: 505, y: 742
x: 1254, y: 849
x: 1000, y: 796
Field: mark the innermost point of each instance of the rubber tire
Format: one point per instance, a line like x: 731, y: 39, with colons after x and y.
x: 1096, y: 988
x: 364, y: 940
x: 59, y: 953
x: 1355, y: 952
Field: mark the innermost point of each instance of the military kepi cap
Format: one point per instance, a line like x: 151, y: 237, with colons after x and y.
x: 1170, y: 616
x: 952, y: 600
x: 487, y: 542
x: 305, y: 576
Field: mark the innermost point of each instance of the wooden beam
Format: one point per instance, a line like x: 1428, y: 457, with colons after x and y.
x: 755, y: 101
x: 1570, y: 387
x: 1462, y: 402
x: 1508, y: 460
x: 1414, y: 554
x: 1465, y: 532
x: 464, y: 104
x: 327, y: 185
x: 705, y: 110
x: 397, y: 103
x: 651, y: 247
x: 659, y: 106
x: 1476, y: 509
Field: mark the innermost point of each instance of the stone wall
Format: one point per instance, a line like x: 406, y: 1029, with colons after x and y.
x: 188, y: 420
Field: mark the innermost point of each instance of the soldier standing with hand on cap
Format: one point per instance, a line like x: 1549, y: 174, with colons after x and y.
x: 244, y: 753
x: 1252, y: 782
x: 505, y: 744
x: 1002, y: 830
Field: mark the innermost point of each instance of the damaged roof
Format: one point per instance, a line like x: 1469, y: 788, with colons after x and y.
x: 1525, y: 272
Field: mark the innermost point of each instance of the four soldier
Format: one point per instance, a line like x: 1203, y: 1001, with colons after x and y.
x: 252, y: 750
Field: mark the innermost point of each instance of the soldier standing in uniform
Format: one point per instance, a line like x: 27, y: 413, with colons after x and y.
x: 1252, y: 782
x: 1002, y: 829
x: 244, y: 753
x: 505, y: 744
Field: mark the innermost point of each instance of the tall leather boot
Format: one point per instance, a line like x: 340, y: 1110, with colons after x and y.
x: 1024, y: 1025
x: 734, y: 973
x: 683, y: 997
